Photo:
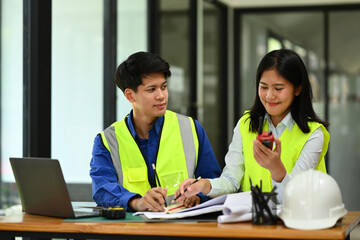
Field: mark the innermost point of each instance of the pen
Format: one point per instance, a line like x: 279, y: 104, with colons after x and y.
x: 157, y: 178
x: 186, y: 189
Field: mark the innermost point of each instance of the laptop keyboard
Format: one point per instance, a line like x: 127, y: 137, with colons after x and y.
x: 86, y: 214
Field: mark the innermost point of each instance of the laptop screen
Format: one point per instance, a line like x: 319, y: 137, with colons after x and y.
x: 42, y: 187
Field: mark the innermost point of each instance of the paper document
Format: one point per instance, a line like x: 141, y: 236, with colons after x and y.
x: 192, y: 213
x: 235, y: 207
x: 213, y: 205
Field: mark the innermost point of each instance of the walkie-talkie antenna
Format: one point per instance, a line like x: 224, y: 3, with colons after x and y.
x: 261, y: 119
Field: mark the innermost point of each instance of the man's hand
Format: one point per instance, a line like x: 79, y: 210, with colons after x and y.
x: 191, y: 201
x: 152, y: 200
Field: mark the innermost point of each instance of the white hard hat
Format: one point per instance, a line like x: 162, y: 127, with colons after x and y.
x: 312, y: 200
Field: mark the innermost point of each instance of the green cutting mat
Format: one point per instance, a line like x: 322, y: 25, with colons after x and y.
x: 130, y: 218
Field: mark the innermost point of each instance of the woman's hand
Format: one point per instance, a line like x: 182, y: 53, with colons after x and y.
x: 269, y: 159
x: 203, y: 185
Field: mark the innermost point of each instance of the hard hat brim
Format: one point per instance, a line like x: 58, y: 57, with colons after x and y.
x: 311, y: 224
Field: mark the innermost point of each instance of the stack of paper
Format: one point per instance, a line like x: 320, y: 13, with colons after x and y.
x: 213, y: 205
x: 237, y: 208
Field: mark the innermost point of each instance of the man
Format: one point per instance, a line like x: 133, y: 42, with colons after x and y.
x: 123, y: 154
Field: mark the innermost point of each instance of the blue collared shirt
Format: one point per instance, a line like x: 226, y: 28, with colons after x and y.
x: 105, y: 187
x: 148, y: 146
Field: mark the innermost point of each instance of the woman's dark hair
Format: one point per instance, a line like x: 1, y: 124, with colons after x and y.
x: 290, y: 66
x: 129, y: 73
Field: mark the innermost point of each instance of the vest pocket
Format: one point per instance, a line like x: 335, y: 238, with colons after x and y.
x: 137, y: 174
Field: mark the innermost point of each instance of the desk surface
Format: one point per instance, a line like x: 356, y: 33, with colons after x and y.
x: 23, y: 222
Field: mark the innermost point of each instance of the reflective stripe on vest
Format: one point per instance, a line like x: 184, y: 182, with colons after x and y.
x: 292, y: 143
x: 176, y: 158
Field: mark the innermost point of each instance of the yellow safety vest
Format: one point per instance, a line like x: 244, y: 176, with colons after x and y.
x: 292, y: 142
x: 176, y: 158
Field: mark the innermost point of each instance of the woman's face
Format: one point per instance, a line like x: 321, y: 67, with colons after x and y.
x: 276, y: 94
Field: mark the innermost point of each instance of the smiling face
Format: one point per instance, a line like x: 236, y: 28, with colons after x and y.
x: 151, y: 98
x: 276, y: 94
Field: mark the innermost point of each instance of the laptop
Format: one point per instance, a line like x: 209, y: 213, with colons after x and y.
x: 43, y: 190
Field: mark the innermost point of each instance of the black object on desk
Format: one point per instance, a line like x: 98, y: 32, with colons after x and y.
x: 113, y: 213
x: 264, y: 206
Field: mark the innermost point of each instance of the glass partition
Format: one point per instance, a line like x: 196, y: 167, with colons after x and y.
x: 11, y: 92
x: 344, y: 104
x: 214, y: 82
x: 77, y: 84
x: 300, y: 31
x: 174, y: 48
x: 131, y: 38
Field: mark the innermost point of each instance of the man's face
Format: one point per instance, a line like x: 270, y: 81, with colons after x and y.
x: 150, y: 100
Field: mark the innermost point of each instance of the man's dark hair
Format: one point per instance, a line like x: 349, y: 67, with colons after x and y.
x: 291, y: 67
x: 129, y: 73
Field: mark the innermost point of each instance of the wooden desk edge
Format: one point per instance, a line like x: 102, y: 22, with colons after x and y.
x: 354, y: 223
x: 33, y: 223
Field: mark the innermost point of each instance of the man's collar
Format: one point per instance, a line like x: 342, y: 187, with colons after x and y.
x: 157, y: 124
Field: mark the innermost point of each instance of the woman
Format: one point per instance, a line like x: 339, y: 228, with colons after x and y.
x: 284, y: 100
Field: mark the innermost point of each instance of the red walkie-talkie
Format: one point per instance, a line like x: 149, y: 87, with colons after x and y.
x: 266, y: 138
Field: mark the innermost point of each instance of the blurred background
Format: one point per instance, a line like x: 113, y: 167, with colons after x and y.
x: 57, y: 60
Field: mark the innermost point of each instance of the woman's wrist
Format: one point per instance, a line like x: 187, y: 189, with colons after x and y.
x: 206, y: 186
x: 278, y: 174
